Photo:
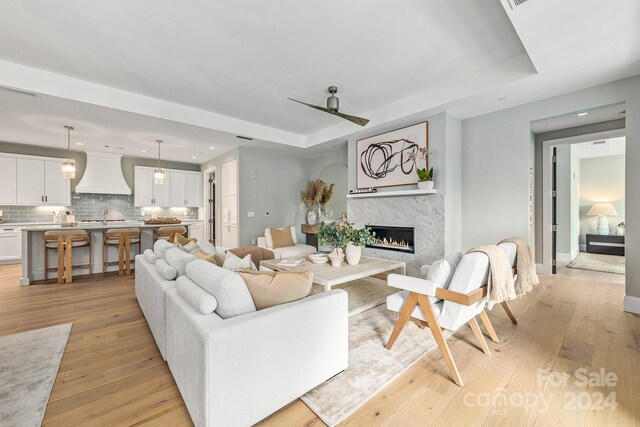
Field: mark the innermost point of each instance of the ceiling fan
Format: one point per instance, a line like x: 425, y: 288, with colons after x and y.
x: 333, y: 104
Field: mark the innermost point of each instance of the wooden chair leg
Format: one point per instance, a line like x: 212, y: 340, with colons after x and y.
x: 121, y: 257
x: 427, y: 310
x: 69, y: 261
x: 405, y: 314
x: 487, y: 324
x: 506, y: 307
x: 90, y: 260
x: 478, y: 333
x: 60, y: 261
x: 46, y: 261
x: 127, y: 254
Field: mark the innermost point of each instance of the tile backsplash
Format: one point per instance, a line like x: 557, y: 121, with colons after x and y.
x: 91, y: 206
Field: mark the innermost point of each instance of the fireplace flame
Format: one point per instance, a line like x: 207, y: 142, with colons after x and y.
x: 402, y: 244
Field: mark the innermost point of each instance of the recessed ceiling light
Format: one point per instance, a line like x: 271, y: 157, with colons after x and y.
x: 211, y: 148
x: 144, y: 151
x: 79, y: 143
x: 194, y: 157
x: 584, y: 113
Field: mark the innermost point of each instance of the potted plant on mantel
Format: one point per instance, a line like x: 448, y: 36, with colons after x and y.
x: 335, y: 237
x: 425, y: 176
x: 357, y: 237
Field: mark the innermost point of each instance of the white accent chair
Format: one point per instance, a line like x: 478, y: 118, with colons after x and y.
x: 431, y: 304
x: 299, y: 250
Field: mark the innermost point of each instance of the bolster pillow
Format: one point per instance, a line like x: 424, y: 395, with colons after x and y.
x: 165, y: 270
x: 150, y: 256
x: 200, y: 299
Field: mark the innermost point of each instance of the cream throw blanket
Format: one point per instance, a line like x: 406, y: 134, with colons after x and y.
x: 526, y: 265
x: 501, y: 286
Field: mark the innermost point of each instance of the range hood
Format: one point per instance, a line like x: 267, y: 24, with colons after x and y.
x: 103, y: 175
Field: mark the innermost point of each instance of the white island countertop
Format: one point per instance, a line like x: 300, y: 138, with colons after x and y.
x: 100, y: 226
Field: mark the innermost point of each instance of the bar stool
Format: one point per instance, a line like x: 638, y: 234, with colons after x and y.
x: 64, y: 241
x: 169, y: 233
x: 124, y: 238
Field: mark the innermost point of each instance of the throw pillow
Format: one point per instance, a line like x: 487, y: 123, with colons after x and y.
x: 190, y: 248
x: 208, y: 257
x: 228, y: 287
x: 179, y: 259
x: 200, y: 299
x: 269, y: 289
x: 281, y: 237
x: 150, y: 256
x: 233, y: 262
x: 207, y: 247
x: 160, y: 247
x: 179, y: 238
x: 165, y: 270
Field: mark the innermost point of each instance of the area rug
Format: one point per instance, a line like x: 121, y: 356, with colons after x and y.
x: 597, y: 262
x: 29, y: 364
x: 371, y: 365
x: 364, y: 294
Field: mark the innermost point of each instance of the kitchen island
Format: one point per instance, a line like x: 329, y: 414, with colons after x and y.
x: 33, y: 246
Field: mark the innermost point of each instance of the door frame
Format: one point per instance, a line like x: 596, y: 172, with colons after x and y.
x: 547, y: 200
x: 207, y: 205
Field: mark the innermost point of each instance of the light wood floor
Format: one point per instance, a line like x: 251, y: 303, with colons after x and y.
x: 112, y: 372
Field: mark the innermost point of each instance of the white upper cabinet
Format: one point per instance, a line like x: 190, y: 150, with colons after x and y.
x: 8, y: 178
x: 39, y: 181
x: 180, y: 188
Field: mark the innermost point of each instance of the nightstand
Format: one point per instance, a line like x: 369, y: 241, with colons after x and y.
x: 605, y: 244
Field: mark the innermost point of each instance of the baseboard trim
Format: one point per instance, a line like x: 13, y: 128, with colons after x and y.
x: 632, y: 304
x: 539, y: 268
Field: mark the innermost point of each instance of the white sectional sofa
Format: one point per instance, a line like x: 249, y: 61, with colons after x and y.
x: 236, y: 366
x: 299, y: 250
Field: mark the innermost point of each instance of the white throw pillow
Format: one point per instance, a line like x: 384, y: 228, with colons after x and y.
x: 165, y: 270
x: 228, y: 287
x: 439, y: 272
x: 161, y: 246
x: 208, y: 248
x: 150, y: 256
x: 178, y: 259
x: 233, y: 262
x: 200, y: 299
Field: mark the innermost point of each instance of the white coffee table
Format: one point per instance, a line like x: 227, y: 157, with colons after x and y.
x: 328, y: 276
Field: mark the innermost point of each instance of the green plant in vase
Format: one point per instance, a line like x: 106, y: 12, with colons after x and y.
x: 358, y: 238
x: 337, y: 238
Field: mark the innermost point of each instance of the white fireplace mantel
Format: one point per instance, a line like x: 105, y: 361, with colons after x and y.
x: 391, y: 194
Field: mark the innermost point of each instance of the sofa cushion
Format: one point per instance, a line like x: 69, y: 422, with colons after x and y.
x: 268, y: 238
x: 233, y: 262
x: 268, y: 289
x: 207, y: 247
x: 439, y: 272
x: 178, y: 259
x: 165, y: 270
x: 150, y: 256
x: 160, y: 247
x: 281, y: 237
x: 297, y: 251
x: 200, y: 299
x: 227, y: 286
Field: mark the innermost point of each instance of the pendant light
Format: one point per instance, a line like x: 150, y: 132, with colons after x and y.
x: 69, y: 164
x: 158, y: 173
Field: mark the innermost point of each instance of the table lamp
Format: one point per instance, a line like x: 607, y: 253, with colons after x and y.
x: 602, y: 210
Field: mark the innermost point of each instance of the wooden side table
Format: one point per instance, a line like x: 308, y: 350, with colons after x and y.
x: 311, y: 230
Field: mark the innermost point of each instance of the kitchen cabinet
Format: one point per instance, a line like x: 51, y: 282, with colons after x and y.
x: 8, y: 189
x: 197, y: 230
x: 185, y: 188
x: 10, y: 245
x: 147, y: 192
x: 40, y: 182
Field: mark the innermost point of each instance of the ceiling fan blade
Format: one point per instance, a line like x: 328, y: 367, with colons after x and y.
x: 354, y: 119
x: 326, y: 110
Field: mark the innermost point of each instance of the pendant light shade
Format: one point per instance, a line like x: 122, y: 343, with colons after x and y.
x: 69, y: 164
x: 158, y: 173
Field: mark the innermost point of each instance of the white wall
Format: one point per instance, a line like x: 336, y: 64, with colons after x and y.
x: 601, y: 180
x: 495, y: 167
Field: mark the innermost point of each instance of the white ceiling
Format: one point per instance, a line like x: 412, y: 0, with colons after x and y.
x: 579, y: 118
x: 212, y: 70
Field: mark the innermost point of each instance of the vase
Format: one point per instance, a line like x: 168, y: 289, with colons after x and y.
x: 353, y: 254
x: 425, y: 185
x: 336, y: 257
x: 312, y: 217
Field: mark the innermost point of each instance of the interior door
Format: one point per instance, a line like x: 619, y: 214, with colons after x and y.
x: 177, y: 182
x: 193, y: 189
x: 229, y: 207
x: 554, y: 209
x: 30, y: 178
x: 212, y: 208
x: 57, y: 189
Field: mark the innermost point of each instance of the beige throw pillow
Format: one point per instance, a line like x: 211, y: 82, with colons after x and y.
x: 270, y: 288
x: 208, y: 257
x: 281, y: 237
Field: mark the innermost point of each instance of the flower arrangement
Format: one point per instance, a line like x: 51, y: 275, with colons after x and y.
x: 423, y: 154
x: 326, y: 195
x: 311, y: 196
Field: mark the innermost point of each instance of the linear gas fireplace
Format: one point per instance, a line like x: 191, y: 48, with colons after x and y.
x: 399, y: 239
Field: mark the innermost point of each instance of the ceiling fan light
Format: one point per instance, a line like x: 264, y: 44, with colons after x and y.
x: 158, y: 176
x: 69, y: 169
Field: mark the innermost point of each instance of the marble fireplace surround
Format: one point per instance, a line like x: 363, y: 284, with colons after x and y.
x: 423, y: 212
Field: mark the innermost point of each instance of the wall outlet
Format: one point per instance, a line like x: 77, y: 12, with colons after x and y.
x: 253, y: 175
x: 253, y: 241
x: 267, y: 213
x: 251, y: 214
